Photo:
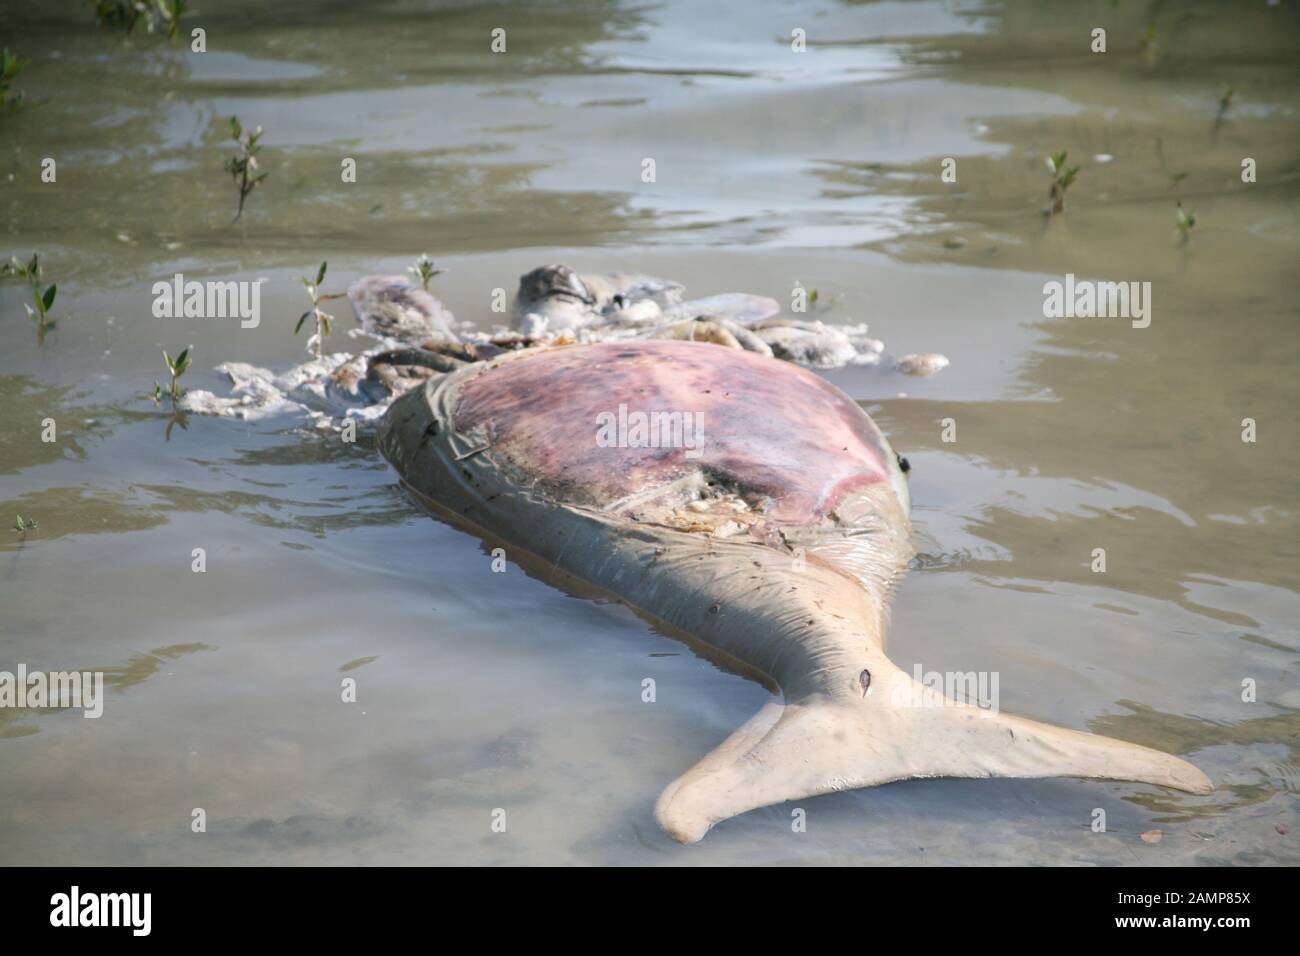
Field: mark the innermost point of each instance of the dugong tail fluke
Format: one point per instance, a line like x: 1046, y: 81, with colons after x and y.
x: 819, y: 745
x: 772, y: 533
x: 852, y: 718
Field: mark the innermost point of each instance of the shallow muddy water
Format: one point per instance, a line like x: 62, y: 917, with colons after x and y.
x: 479, y: 690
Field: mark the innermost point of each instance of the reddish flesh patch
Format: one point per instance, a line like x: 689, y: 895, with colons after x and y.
x: 770, y: 428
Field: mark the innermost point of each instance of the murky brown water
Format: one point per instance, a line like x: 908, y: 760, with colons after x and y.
x: 480, y: 690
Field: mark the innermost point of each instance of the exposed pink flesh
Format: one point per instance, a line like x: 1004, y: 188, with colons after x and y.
x: 771, y: 428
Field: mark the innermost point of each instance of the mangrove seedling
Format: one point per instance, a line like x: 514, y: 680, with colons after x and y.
x: 23, y: 525
x: 125, y: 14
x: 243, y: 165
x: 424, y: 270
x: 177, y: 367
x: 1147, y: 43
x: 1186, y: 222
x: 322, y: 318
x: 817, y: 300
x: 1225, y: 103
x: 171, y: 12
x: 10, y: 66
x: 1062, y: 178
x: 44, y: 299
x: 31, y: 271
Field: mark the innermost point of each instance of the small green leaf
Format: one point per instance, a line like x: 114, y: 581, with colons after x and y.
x: 12, y: 65
x: 301, y: 320
x: 320, y: 276
x: 235, y: 129
x: 168, y: 359
x: 48, y: 298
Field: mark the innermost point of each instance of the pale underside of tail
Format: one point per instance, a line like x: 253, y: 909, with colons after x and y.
x: 899, y: 731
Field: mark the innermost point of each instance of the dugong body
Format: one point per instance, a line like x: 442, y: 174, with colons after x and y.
x: 770, y: 524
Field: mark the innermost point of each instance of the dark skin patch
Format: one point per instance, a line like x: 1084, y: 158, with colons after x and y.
x: 770, y: 428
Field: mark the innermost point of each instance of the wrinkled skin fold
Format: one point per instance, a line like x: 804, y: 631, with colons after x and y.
x: 777, y: 544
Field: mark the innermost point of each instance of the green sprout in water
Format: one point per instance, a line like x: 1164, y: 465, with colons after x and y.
x: 177, y: 367
x: 126, y: 14
x: 243, y: 165
x: 171, y: 13
x: 31, y: 271
x: 815, y: 299
x: 10, y: 67
x: 424, y: 270
x: 123, y: 14
x: 323, y: 319
x: 1147, y: 43
x: 44, y: 299
x: 23, y: 525
x: 1062, y: 178
x: 1225, y: 103
x: 1186, y: 222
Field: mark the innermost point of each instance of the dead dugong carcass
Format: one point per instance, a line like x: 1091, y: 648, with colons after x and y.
x: 770, y: 525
